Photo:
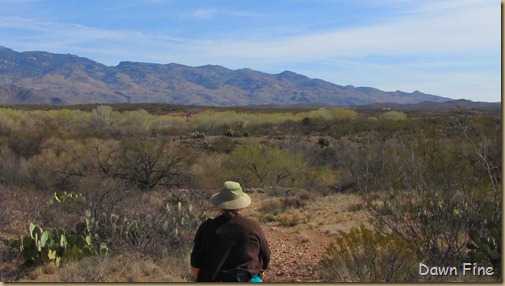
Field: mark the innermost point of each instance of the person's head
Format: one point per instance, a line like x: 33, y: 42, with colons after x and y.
x: 231, y: 199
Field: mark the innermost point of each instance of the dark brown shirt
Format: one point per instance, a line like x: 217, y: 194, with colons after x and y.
x: 226, y: 244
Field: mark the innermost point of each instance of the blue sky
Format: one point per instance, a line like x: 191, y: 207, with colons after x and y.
x: 450, y: 48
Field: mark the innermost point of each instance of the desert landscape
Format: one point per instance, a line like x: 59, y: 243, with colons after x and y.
x: 114, y: 193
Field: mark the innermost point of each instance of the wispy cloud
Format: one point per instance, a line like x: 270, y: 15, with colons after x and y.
x: 69, y: 35
x: 212, y: 13
x: 454, y: 32
x: 436, y: 45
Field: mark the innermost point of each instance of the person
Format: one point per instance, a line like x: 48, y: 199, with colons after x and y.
x: 231, y: 247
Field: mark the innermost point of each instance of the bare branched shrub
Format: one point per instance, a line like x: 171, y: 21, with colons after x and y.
x: 257, y: 165
x: 149, y: 162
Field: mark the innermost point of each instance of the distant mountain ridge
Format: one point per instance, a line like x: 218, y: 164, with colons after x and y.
x: 47, y: 78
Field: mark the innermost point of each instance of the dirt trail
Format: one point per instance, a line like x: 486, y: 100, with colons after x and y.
x: 294, y: 256
x: 297, y: 250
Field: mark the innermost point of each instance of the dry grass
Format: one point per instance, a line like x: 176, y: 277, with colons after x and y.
x: 303, y: 212
x: 123, y: 268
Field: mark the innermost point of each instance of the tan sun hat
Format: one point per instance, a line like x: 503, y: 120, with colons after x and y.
x: 231, y: 197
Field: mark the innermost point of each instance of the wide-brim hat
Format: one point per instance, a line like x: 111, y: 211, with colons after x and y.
x: 231, y: 197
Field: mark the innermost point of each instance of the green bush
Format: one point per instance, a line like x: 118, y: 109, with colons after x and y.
x: 254, y: 164
x: 393, y: 115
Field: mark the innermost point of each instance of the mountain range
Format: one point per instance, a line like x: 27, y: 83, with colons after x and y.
x: 62, y: 79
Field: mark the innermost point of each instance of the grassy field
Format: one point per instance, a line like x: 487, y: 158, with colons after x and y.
x: 136, y: 179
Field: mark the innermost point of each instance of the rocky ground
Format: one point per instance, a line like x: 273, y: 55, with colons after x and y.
x: 294, y: 259
x: 297, y: 250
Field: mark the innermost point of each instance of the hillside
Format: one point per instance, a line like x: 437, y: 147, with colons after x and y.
x: 42, y: 77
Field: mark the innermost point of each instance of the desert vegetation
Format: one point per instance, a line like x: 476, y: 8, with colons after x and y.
x: 128, y: 185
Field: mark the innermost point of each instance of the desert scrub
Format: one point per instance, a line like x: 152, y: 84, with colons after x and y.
x: 363, y: 255
x: 280, y: 205
x: 259, y: 165
x: 393, y: 115
x: 125, y: 267
x: 53, y: 246
x: 222, y: 145
x: 280, y: 210
x: 288, y: 219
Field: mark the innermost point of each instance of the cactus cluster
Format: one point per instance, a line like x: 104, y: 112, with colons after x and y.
x: 196, y: 134
x: 486, y: 248
x: 55, y: 245
x: 175, y: 222
x: 236, y: 133
x: 65, y: 198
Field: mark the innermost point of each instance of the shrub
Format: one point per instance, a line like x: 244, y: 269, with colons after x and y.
x: 369, y: 256
x: 288, y: 219
x: 223, y: 145
x: 393, y: 115
x: 272, y: 207
x: 208, y: 171
x: 433, y: 192
x: 103, y: 116
x: 149, y: 162
x: 307, y: 121
x: 258, y: 165
x: 9, y: 168
x: 26, y: 143
x: 323, y: 142
x: 278, y: 209
x: 320, y: 179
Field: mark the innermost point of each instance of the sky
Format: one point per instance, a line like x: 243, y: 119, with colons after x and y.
x: 450, y: 48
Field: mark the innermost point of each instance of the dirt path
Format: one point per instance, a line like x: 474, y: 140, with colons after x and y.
x: 295, y: 256
x: 297, y: 250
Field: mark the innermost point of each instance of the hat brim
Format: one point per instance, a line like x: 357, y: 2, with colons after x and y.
x: 239, y: 203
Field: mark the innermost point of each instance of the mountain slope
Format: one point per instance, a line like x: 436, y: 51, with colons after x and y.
x: 69, y: 79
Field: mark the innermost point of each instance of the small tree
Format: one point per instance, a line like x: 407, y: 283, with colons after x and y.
x: 148, y: 162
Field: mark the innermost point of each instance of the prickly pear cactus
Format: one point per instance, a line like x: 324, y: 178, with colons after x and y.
x: 55, y: 245
x: 486, y: 248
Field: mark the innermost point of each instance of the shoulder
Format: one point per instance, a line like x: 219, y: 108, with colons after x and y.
x: 212, y: 222
x: 206, y: 224
x: 248, y: 221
